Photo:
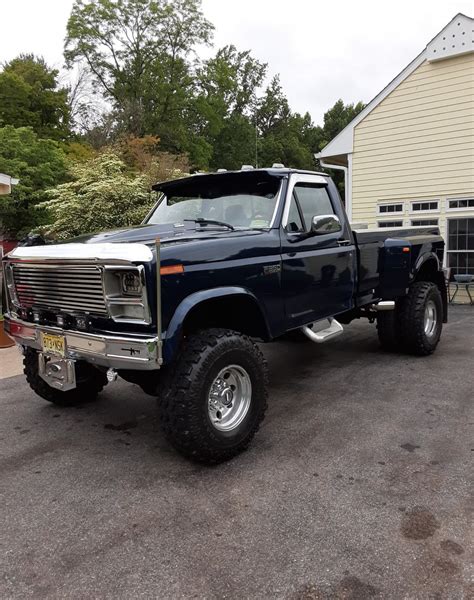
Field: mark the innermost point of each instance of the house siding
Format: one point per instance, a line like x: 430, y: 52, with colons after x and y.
x: 418, y: 143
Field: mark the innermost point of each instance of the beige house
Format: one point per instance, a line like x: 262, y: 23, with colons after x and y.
x: 408, y: 156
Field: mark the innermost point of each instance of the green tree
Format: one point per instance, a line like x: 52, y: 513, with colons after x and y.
x: 283, y: 135
x: 30, y: 96
x: 103, y: 194
x: 38, y: 164
x: 235, y: 144
x: 220, y: 115
x: 136, y: 51
x: 335, y: 119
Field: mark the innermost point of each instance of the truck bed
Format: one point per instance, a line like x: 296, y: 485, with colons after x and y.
x: 371, y: 253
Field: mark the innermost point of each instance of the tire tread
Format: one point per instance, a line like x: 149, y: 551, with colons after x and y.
x: 179, y: 414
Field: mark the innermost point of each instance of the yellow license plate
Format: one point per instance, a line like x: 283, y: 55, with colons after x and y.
x: 53, y: 344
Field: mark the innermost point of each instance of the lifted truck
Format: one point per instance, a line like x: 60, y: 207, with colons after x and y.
x: 175, y: 305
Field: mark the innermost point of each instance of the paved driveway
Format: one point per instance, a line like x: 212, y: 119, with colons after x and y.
x: 357, y: 486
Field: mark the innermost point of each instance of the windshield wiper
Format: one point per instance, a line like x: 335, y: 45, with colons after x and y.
x: 211, y: 222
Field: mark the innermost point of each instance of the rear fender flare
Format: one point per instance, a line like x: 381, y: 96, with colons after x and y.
x: 439, y: 278
x: 422, y: 259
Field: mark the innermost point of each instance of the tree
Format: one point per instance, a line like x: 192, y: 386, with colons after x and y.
x: 102, y: 195
x: 335, y: 119
x: 235, y: 144
x: 136, y: 51
x: 142, y: 155
x: 273, y: 108
x: 38, y: 164
x: 30, y: 96
x: 283, y: 135
x: 220, y: 114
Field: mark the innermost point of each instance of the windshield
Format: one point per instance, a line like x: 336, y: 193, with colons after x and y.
x: 242, y: 200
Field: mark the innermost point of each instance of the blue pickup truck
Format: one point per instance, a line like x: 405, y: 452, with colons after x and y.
x: 223, y: 261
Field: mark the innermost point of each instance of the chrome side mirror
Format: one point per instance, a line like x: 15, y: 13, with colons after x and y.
x: 322, y: 224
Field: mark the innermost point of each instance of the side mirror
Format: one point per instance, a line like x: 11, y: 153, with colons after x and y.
x: 322, y: 224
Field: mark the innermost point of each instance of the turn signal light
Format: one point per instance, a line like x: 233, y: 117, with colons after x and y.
x: 171, y: 270
x: 406, y: 249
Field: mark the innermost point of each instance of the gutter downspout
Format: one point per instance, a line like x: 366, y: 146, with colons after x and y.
x: 347, y: 181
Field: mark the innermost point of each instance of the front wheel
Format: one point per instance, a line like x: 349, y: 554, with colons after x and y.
x: 216, y: 397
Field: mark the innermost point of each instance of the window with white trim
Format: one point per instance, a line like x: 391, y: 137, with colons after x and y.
x: 423, y: 222
x: 461, y: 246
x: 390, y: 223
x: 425, y: 206
x: 460, y: 203
x: 385, y: 209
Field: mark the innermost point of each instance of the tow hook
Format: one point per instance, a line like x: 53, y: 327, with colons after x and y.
x: 111, y: 375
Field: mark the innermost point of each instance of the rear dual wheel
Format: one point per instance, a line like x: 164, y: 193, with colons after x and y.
x: 416, y: 323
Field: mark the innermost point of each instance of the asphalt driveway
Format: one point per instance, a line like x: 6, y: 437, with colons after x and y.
x: 359, y: 485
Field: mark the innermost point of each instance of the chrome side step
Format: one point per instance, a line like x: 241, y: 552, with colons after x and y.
x: 323, y: 335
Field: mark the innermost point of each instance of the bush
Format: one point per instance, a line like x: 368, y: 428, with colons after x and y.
x: 102, y: 195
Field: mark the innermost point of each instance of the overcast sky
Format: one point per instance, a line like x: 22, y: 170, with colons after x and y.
x: 323, y: 50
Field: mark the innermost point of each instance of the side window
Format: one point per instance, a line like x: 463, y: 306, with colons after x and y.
x: 295, y: 223
x: 313, y: 201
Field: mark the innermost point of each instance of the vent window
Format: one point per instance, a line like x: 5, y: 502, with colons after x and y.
x: 424, y: 222
x: 425, y: 206
x: 385, y: 209
x: 390, y: 223
x: 461, y: 203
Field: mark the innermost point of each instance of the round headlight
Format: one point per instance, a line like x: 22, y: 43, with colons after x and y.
x: 131, y: 283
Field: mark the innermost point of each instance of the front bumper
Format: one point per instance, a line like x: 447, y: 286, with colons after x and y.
x: 112, y: 351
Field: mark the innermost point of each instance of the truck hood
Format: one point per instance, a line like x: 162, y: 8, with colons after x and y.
x: 147, y: 234
x: 187, y: 244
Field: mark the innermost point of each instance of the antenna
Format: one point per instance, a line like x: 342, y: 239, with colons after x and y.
x: 256, y: 144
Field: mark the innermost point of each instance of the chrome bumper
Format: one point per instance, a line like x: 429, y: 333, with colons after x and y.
x: 116, y: 352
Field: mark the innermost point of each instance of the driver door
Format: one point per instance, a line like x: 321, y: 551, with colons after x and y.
x: 317, y: 270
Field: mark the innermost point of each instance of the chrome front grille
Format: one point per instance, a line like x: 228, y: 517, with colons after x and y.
x: 68, y: 288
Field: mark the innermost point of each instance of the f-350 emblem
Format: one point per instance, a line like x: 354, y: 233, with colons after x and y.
x: 270, y: 269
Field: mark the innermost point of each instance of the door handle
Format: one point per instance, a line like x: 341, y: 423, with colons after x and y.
x: 344, y: 242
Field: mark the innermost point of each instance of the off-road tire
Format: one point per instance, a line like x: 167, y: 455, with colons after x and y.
x: 90, y: 381
x: 411, y: 319
x: 183, y: 406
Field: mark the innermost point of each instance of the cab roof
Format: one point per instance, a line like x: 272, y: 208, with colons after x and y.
x: 271, y: 172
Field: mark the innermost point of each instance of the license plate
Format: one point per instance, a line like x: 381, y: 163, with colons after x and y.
x: 53, y: 344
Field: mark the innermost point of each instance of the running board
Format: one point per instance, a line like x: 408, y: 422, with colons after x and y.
x: 319, y: 337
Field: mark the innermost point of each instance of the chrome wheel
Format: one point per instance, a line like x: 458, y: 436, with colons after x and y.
x: 229, y: 398
x: 431, y: 318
